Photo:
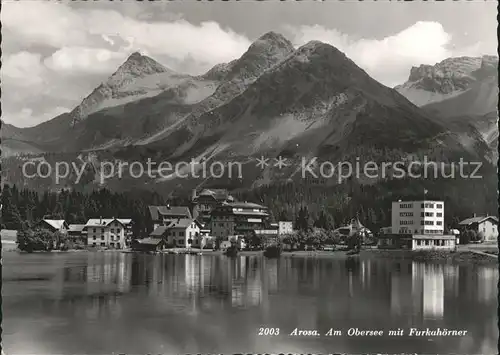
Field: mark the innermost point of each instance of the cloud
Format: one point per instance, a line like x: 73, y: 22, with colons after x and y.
x: 49, y: 23
x: 22, y: 69
x: 389, y: 59
x: 179, y: 40
x: 55, y: 53
x: 83, y: 60
x: 59, y: 26
x: 26, y: 117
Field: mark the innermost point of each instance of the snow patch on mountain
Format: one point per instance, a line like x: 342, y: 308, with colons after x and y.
x: 135, y: 67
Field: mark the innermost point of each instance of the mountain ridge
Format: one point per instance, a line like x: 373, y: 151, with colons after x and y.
x: 449, y: 78
x: 273, y: 99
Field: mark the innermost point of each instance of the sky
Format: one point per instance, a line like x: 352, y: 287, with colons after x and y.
x: 55, y: 53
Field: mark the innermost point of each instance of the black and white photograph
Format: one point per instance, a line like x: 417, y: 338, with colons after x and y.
x: 249, y: 177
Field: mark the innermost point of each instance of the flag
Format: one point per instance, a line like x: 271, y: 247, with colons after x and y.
x: 425, y: 192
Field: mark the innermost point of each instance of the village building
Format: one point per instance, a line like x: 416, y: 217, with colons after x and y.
x: 237, y: 219
x: 128, y: 225
x: 417, y: 225
x: 417, y: 217
x: 54, y: 225
x: 285, y: 227
x: 164, y: 215
x: 150, y: 244
x: 206, y: 201
x: 106, y: 232
x: 485, y: 226
x: 355, y: 226
x: 181, y: 233
x: 185, y: 233
x: 77, y: 233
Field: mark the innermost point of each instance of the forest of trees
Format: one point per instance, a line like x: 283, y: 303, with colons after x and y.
x: 308, y: 206
x: 22, y: 209
x: 334, y: 206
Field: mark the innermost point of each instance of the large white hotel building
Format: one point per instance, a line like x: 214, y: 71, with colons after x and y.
x: 418, y: 217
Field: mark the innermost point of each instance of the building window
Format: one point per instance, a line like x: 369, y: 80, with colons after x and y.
x: 94, y: 237
x: 405, y: 222
x: 429, y: 214
x: 112, y: 230
x: 429, y: 223
x: 439, y: 205
x: 181, y: 234
x: 102, y: 237
x: 95, y: 230
x: 439, y: 214
x: 439, y: 223
x: 102, y: 244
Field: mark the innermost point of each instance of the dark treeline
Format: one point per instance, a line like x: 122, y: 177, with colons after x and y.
x: 23, y: 208
x: 372, y: 203
x: 307, y: 206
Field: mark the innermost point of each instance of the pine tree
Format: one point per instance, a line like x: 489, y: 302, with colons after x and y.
x: 11, y: 218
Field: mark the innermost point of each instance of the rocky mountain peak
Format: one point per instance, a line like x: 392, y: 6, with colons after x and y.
x: 448, y: 68
x: 272, y: 39
x: 450, y: 77
x: 489, y: 67
x: 137, y: 65
x: 318, y: 49
x: 267, y: 51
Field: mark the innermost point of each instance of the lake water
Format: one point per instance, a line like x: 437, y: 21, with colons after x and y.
x: 109, y: 302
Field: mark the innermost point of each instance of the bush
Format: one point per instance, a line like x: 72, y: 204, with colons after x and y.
x: 40, y: 240
x: 468, y: 236
x: 272, y: 251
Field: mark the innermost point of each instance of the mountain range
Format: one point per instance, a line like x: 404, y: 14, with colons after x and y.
x: 274, y: 101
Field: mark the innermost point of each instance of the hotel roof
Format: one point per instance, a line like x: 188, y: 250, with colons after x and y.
x: 244, y: 205
x: 165, y: 211
x: 182, y: 223
x: 150, y: 241
x: 218, y: 194
x: 472, y: 220
x: 101, y: 222
x: 76, y: 227
x: 55, y: 223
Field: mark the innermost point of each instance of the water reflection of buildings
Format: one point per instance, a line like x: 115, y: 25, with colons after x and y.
x: 108, y: 271
x: 108, y: 275
x: 428, y: 289
x: 487, y: 284
x: 451, y: 273
x: 248, y: 282
x: 401, y: 286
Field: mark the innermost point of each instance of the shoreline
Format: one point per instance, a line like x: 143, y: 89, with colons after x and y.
x: 464, y: 256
